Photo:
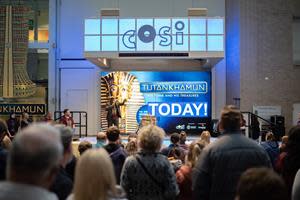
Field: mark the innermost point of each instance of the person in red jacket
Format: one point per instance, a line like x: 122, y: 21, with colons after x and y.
x: 67, y: 119
x: 184, y: 174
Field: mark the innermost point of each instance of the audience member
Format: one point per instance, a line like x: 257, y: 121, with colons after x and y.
x: 25, y: 120
x: 184, y: 174
x: 261, y: 184
x: 149, y: 175
x: 83, y: 146
x: 48, y: 118
x: 289, y: 161
x: 174, y: 158
x: 32, y: 164
x: 223, y: 161
x: 101, y: 140
x: 13, y: 124
x: 174, y: 145
x: 284, y: 140
x: 296, y: 187
x: 63, y: 184
x: 131, y: 146
x: 116, y: 152
x: 272, y: 148
x: 67, y: 119
x: 70, y: 167
x: 254, y: 129
x: 205, y: 136
x: 5, y: 142
x: 3, y: 151
x: 182, y: 140
x: 95, y: 169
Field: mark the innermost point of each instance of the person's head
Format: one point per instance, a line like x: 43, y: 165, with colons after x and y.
x: 101, y: 136
x: 261, y: 184
x: 67, y: 112
x: 270, y: 137
x: 132, y: 136
x: 205, y: 136
x: 194, y: 152
x: 34, y: 156
x: 83, y: 146
x: 48, y: 115
x: 174, y: 138
x: 3, y: 129
x: 113, y: 134
x: 182, y: 137
x: 66, y: 140
x: 230, y: 119
x: 150, y: 138
x: 174, y: 153
x: 25, y: 115
x: 94, y: 168
x: 12, y: 115
x: 131, y: 147
x: 293, y: 143
x: 284, y: 139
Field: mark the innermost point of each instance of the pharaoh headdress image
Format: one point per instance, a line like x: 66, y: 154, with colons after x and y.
x: 122, y: 86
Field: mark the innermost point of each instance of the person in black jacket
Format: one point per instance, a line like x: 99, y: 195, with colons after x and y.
x: 223, y: 161
x: 13, y: 124
x: 113, y: 111
x: 115, y: 150
x: 63, y: 183
x: 3, y: 151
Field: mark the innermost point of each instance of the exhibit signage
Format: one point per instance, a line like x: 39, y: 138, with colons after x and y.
x: 177, y: 101
x: 31, y: 109
x: 154, y: 34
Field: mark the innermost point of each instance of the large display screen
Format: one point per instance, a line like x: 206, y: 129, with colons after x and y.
x: 177, y: 101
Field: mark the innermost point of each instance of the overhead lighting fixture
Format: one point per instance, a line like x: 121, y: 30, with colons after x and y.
x: 196, y: 12
x: 110, y: 12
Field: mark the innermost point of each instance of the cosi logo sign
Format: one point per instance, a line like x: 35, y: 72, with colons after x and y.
x: 148, y: 34
x: 154, y: 34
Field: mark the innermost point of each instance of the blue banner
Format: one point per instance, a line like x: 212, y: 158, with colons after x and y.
x: 176, y: 101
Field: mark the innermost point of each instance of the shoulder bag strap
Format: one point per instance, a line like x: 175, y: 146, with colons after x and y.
x: 147, y: 172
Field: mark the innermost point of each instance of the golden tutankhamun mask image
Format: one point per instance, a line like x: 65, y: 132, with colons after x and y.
x: 124, y: 87
x: 119, y: 87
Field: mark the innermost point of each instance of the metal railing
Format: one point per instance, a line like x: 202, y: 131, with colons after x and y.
x: 80, y: 120
x: 275, y: 128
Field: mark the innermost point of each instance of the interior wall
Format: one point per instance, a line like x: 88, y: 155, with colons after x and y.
x: 70, y: 47
x: 268, y: 77
x: 232, y: 52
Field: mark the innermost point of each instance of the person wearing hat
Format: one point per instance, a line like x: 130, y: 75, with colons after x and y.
x: 113, y: 111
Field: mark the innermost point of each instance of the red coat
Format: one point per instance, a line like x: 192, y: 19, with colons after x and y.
x: 184, y: 181
x: 67, y: 121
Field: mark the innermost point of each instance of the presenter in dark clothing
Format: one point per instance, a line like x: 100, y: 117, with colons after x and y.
x: 113, y: 111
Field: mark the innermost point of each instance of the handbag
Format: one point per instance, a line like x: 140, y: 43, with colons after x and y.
x: 161, y: 186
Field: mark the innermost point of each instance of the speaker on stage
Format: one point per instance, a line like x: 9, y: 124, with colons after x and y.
x: 279, y: 128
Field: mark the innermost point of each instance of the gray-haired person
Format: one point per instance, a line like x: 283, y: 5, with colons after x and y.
x: 63, y: 184
x: 33, y: 162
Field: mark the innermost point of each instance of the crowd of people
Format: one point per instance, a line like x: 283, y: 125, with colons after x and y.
x: 39, y: 164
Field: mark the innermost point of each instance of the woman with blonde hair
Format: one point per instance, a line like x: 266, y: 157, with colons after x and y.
x: 95, y: 178
x: 205, y: 135
x: 184, y: 174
